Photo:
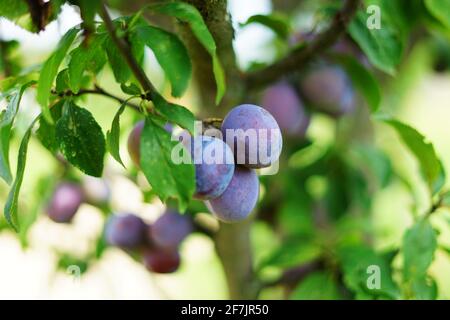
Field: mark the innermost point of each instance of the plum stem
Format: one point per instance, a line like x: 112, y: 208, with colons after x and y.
x: 303, y: 54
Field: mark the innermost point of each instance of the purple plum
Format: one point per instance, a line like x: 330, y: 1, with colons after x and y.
x: 65, y: 202
x: 239, y: 199
x: 329, y: 90
x: 254, y: 136
x: 287, y: 108
x: 214, y: 166
x: 161, y: 261
x: 125, y: 231
x: 170, y: 229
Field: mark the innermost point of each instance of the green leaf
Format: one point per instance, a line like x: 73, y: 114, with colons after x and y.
x: 275, y: 22
x: 424, y: 288
x: 431, y: 166
x: 131, y: 89
x: 113, y: 136
x: 84, y: 58
x: 357, y: 261
x: 440, y: 10
x: 50, y: 69
x: 384, y: 46
x: 419, y: 245
x: 171, y: 54
x: 7, y: 117
x: 46, y: 132
x: 120, y: 68
x: 189, y: 14
x: 81, y: 140
x: 168, y: 179
x: 11, y: 205
x: 362, y: 79
x: 62, y: 81
x: 174, y: 113
x: 316, y: 286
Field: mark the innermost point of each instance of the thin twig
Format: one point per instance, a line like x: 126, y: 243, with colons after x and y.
x: 125, y: 50
x: 300, y: 56
x: 98, y: 91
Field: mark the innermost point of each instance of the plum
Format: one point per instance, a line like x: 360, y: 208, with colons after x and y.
x: 134, y: 143
x: 65, y: 201
x: 161, y: 260
x: 287, y: 108
x: 170, y: 229
x: 239, y: 199
x: 214, y: 166
x: 125, y: 231
x: 254, y: 136
x: 329, y: 90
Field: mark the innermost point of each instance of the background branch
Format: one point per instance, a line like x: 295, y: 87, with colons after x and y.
x: 300, y: 56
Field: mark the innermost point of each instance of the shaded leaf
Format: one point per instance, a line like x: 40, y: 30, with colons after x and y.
x: 189, y: 14
x: 275, y: 22
x: 167, y: 178
x: 363, y: 80
x: 7, y: 117
x: 419, y: 245
x: 174, y: 113
x: 431, y: 167
x: 11, y: 205
x: 171, y: 54
x: 50, y: 69
x: 113, y: 136
x: 316, y: 286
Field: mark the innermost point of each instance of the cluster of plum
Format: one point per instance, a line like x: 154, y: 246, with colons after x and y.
x: 226, y: 178
x: 156, y: 244
x: 324, y: 87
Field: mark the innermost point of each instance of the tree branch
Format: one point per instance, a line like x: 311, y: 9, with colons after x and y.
x: 97, y: 91
x: 125, y: 51
x: 299, y: 57
x: 296, y: 274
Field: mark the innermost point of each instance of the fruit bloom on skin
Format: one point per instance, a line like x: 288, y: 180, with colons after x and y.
x: 161, y: 261
x: 286, y: 107
x: 125, y: 231
x: 214, y: 166
x: 239, y: 199
x: 65, y: 202
x: 329, y: 89
x: 170, y: 229
x: 254, y: 136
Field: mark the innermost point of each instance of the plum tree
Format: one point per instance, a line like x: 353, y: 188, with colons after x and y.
x: 254, y: 136
x: 214, y: 166
x: 170, y: 229
x: 284, y: 104
x: 134, y: 143
x: 125, y: 231
x: 328, y: 89
x: 239, y: 199
x: 161, y: 260
x: 65, y: 201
